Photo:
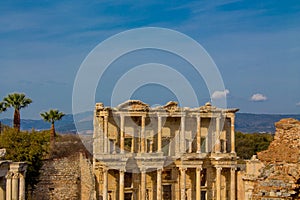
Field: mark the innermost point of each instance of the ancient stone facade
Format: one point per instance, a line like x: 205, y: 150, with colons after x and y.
x: 165, y: 152
x: 12, y: 179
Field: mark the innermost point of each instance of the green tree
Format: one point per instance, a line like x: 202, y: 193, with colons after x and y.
x: 17, y: 101
x: 2, y: 109
x: 52, y: 116
x: 249, y: 144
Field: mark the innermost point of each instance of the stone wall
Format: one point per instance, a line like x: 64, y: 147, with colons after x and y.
x: 280, y: 178
x: 65, y: 178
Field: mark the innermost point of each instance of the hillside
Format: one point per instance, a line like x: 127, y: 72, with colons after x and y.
x: 245, y: 122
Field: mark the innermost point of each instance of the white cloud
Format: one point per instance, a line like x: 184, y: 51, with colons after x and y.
x: 298, y: 104
x: 258, y: 97
x: 220, y: 94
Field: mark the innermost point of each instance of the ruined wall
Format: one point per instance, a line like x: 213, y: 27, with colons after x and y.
x: 280, y: 178
x: 65, y: 178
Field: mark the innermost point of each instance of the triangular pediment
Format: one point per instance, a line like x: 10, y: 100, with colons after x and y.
x: 171, y: 106
x: 133, y: 105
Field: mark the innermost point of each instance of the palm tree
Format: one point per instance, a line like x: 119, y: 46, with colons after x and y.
x: 52, y: 116
x: 17, y: 101
x: 2, y: 109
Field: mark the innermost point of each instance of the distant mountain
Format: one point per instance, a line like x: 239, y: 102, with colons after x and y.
x: 251, y: 123
x: 245, y: 122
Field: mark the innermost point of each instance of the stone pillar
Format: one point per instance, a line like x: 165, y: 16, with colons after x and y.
x: 232, y: 135
x: 218, y: 183
x: 190, y: 146
x: 22, y: 187
x: 159, y: 127
x: 182, y: 135
x: 182, y: 183
x: 2, y: 188
x: 15, y: 187
x: 232, y: 183
x: 143, y: 137
x: 105, y: 139
x: 104, y: 189
x: 121, y: 188
x: 133, y: 143
x: 8, y: 185
x: 143, y: 184
x: 159, y: 185
x: 217, y: 136
x: 122, y: 134
x: 198, y: 183
x: 198, y: 134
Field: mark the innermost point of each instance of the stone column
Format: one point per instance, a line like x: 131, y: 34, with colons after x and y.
x: 122, y: 134
x: 143, y: 138
x: 232, y: 183
x: 15, y: 187
x: 8, y: 185
x: 198, y: 183
x: 105, y: 139
x: 104, y: 189
x: 198, y: 134
x: 133, y: 143
x: 159, y: 185
x: 22, y: 187
x: 159, y: 127
x: 217, y: 136
x: 182, y: 135
x: 232, y: 135
x: 218, y: 183
x: 143, y: 184
x: 182, y: 183
x: 121, y: 184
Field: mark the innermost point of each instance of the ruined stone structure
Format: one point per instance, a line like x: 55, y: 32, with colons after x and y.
x: 278, y: 176
x: 165, y: 152
x: 12, y: 179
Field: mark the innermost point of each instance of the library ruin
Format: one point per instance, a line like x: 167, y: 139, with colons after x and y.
x: 166, y: 152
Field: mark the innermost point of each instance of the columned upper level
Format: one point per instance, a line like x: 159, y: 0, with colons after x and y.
x: 134, y: 127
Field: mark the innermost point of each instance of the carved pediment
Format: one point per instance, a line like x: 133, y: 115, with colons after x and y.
x: 171, y: 106
x: 133, y: 105
x: 207, y: 107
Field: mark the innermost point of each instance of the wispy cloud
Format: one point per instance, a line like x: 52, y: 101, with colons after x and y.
x: 220, y: 94
x: 298, y: 104
x: 258, y: 97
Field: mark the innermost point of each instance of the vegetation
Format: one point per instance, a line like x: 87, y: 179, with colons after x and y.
x: 23, y: 146
x: 52, y: 116
x: 17, y: 101
x: 2, y: 109
x: 249, y: 144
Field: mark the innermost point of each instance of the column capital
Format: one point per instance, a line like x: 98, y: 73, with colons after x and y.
x: 143, y: 169
x: 16, y: 175
x: 183, y: 168
x: 199, y: 169
x: 233, y: 168
x: 9, y: 175
x: 218, y: 167
x: 104, y: 169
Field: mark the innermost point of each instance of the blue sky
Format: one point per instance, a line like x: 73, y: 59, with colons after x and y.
x: 255, y: 44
